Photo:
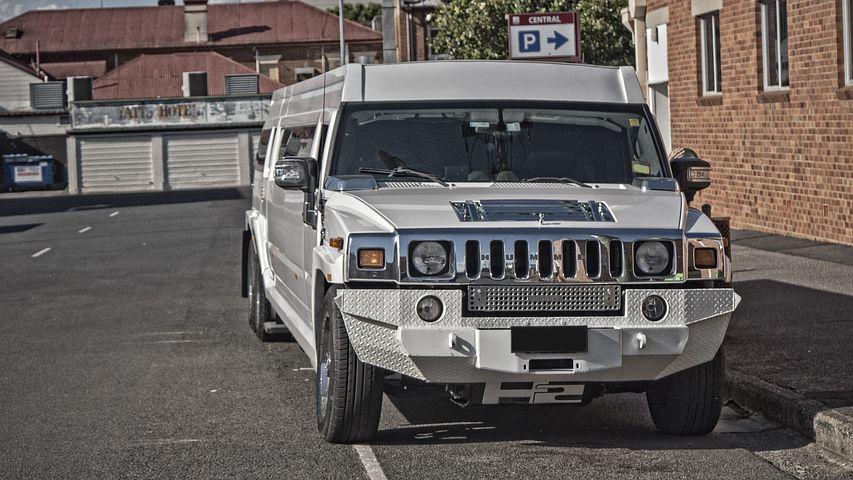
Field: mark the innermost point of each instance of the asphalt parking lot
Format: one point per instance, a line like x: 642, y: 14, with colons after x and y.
x: 126, y: 353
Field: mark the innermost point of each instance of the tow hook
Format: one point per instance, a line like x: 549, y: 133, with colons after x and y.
x: 460, y: 393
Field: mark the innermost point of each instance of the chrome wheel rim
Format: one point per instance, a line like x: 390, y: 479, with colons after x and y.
x: 323, y: 380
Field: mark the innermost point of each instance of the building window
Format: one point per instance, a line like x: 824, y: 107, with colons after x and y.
x: 848, y: 42
x: 712, y: 72
x: 774, y: 43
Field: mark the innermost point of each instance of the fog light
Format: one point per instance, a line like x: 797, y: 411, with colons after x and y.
x: 705, y: 258
x: 430, y: 308
x: 654, y: 308
x: 371, y: 258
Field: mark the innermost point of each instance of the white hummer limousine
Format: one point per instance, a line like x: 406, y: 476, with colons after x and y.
x: 513, y: 231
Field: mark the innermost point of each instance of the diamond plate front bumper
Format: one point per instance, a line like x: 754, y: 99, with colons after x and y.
x: 385, y: 331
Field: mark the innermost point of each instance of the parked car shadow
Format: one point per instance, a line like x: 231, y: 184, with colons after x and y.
x: 619, y: 421
x: 794, y: 337
x: 64, y: 203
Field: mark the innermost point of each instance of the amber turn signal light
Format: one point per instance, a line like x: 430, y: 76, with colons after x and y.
x: 371, y: 258
x: 336, y: 243
x: 705, y: 258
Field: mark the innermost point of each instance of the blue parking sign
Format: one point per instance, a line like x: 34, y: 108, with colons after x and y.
x: 528, y: 41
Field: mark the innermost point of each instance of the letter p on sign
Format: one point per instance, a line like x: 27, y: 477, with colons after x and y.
x: 528, y: 41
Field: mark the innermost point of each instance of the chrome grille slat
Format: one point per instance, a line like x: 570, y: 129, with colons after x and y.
x: 544, y: 298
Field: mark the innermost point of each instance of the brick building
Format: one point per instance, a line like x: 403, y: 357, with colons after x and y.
x: 763, y: 89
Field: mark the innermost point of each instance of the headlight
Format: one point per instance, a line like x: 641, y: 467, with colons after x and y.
x: 429, y: 258
x: 652, y: 258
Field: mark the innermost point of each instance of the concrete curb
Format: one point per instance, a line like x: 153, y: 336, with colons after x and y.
x: 830, y: 428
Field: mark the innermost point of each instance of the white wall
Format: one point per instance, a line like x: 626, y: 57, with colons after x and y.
x: 14, y: 88
x: 31, y: 125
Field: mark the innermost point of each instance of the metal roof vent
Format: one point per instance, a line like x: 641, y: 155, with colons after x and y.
x: 48, y: 96
x: 241, y: 84
x: 14, y: 33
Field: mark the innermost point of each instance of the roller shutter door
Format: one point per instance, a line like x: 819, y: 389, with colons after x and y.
x: 202, y: 160
x: 115, y: 164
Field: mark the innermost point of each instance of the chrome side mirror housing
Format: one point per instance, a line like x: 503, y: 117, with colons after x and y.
x: 295, y: 173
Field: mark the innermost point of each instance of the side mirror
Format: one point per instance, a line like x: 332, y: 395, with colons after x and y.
x: 259, y: 159
x: 691, y: 172
x: 295, y: 173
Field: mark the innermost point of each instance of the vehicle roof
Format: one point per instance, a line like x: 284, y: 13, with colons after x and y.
x: 459, y: 80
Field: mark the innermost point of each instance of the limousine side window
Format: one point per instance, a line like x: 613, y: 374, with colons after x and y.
x: 261, y: 149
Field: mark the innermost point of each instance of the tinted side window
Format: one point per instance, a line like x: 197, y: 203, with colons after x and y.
x: 261, y: 149
x: 297, y: 142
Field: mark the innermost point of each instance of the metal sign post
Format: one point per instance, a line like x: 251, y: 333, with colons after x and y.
x: 544, y: 36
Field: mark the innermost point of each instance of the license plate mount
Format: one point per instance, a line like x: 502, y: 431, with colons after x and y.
x: 571, y: 339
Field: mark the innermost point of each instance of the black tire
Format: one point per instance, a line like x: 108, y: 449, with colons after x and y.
x: 260, y: 310
x: 689, y: 402
x: 348, y: 392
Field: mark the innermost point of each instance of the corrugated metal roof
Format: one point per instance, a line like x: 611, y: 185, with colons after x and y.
x: 139, y: 28
x: 63, y: 70
x: 153, y: 76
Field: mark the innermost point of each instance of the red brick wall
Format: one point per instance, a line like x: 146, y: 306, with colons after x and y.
x: 781, y: 164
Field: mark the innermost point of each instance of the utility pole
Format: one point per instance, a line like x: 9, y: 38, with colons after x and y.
x: 341, y: 25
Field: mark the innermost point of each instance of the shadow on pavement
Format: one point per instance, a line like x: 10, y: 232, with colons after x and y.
x: 794, y: 337
x: 619, y: 421
x: 63, y: 203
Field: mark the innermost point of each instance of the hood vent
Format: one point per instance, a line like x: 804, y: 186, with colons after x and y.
x: 532, y: 210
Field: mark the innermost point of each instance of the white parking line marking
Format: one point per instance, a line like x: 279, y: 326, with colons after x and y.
x: 181, y: 332
x: 371, y: 464
x: 88, y: 207
x: 84, y: 230
x: 41, y: 252
x: 302, y: 369
x: 174, y: 341
x: 114, y: 213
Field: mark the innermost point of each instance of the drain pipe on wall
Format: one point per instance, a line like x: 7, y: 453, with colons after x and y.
x: 634, y: 19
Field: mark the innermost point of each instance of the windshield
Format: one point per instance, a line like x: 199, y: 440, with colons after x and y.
x: 499, y: 144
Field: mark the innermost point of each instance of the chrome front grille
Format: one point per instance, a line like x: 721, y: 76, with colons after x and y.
x: 544, y: 298
x: 543, y: 260
x: 540, y: 256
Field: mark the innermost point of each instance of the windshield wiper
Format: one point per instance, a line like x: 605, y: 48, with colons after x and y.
x: 557, y: 180
x: 403, y: 172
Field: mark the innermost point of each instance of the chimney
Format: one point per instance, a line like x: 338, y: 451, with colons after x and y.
x: 195, y: 21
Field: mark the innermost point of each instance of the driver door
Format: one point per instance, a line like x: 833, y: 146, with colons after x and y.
x: 286, y: 238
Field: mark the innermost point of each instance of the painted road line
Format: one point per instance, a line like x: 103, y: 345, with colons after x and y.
x: 84, y: 230
x: 114, y: 213
x: 371, y: 464
x: 88, y: 207
x: 41, y: 252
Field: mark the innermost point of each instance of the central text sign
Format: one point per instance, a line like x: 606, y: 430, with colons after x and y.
x: 548, y: 36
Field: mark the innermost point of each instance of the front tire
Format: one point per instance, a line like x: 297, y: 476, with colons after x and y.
x: 348, y: 391
x: 689, y: 402
x: 260, y: 310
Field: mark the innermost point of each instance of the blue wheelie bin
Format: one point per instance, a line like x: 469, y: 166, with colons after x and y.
x: 27, y: 172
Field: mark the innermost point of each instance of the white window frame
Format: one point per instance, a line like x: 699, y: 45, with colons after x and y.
x: 705, y: 21
x: 847, y: 7
x: 765, y: 45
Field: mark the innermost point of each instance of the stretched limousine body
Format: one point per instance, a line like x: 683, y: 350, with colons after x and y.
x: 512, y: 230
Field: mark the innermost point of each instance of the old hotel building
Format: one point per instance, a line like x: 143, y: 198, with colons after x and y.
x: 159, y: 97
x: 763, y: 89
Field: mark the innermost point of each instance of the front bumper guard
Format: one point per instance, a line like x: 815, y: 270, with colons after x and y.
x: 385, y: 331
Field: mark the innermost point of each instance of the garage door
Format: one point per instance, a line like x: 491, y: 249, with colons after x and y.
x: 115, y: 164
x: 202, y: 160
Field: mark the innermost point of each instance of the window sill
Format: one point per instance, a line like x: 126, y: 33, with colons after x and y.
x: 774, y: 96
x: 846, y: 93
x: 710, y: 100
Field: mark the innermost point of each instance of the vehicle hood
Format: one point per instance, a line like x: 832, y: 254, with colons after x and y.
x: 430, y: 207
